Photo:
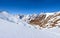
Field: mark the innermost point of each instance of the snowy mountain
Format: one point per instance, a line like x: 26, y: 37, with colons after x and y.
x: 27, y: 26
x: 4, y: 15
x: 47, y: 20
x: 24, y: 30
x: 42, y: 20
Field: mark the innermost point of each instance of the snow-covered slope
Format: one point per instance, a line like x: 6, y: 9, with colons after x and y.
x: 16, y: 26
x: 9, y: 17
x: 24, y: 30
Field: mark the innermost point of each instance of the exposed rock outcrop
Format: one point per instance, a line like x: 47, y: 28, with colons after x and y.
x: 46, y: 21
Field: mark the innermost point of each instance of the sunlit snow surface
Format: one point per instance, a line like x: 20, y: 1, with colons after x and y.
x: 24, y: 30
x: 11, y: 27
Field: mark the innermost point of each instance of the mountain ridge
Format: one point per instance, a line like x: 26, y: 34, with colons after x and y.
x: 43, y: 20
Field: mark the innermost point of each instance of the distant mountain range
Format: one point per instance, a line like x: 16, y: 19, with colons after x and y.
x: 42, y: 20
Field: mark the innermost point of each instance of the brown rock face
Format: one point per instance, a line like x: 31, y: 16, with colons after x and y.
x: 43, y: 21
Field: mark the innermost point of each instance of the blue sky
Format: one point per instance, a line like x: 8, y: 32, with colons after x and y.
x: 29, y: 6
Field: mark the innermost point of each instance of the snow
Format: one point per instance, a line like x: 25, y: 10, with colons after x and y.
x: 24, y: 30
x: 13, y: 27
x: 6, y: 16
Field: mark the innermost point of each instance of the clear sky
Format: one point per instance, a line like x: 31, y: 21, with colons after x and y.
x: 29, y: 6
